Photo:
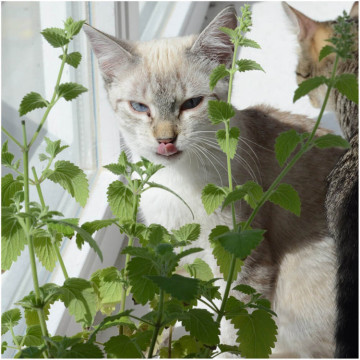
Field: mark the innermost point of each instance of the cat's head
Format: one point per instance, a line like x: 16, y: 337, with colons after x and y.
x: 160, y: 89
x: 312, y: 37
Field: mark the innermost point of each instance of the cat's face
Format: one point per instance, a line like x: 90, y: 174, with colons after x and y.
x: 160, y: 89
x: 312, y: 37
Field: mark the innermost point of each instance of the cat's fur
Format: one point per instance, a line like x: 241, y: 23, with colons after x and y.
x: 342, y: 195
x: 294, y: 266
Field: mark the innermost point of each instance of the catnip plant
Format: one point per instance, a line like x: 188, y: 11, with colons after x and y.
x: 149, y: 274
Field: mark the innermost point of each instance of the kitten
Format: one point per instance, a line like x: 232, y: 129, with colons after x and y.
x: 159, y: 91
x: 342, y: 195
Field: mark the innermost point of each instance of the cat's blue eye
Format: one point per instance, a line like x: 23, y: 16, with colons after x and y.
x: 139, y: 107
x: 191, y: 103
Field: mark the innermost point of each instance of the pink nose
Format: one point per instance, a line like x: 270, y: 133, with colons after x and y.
x: 165, y: 141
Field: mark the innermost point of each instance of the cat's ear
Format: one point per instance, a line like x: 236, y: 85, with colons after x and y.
x: 305, y: 26
x: 354, y: 12
x: 113, y: 54
x: 212, y: 42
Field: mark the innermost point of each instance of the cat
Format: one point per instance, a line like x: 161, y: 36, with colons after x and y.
x: 342, y: 195
x: 159, y: 91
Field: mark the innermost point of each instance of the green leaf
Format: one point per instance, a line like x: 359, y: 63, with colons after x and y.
x: 220, y: 111
x: 9, y: 319
x: 116, y: 169
x: 251, y: 192
x: 230, y: 32
x: 53, y: 148
x: 33, y: 336
x: 246, y: 289
x: 325, y: 51
x: 55, y: 37
x: 331, y: 140
x: 73, y: 59
x: 70, y: 91
x: 285, y: 144
x: 43, y: 157
x: 256, y: 333
x: 120, y: 199
x: 307, y: 85
x: 74, y: 27
x: 122, y: 347
x: 45, y: 252
x: 31, y: 352
x: 91, y: 226
x: 234, y: 134
x: 223, y: 257
x: 218, y: 73
x: 84, y: 234
x: 348, y: 85
x: 4, y: 346
x: 246, y: 65
x: 199, y: 269
x: 187, y: 233
x: 31, y: 102
x: 61, y: 228
x: 201, y: 325
x: 79, y: 298
x: 9, y: 186
x: 180, y: 287
x: 142, y: 287
x: 250, y: 43
x: 241, y: 243
x: 72, y: 179
x: 85, y: 351
x: 287, y: 197
x: 212, y: 196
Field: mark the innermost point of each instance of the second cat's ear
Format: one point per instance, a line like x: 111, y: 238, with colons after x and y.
x: 113, y: 55
x: 354, y: 12
x: 212, y: 42
x: 305, y: 26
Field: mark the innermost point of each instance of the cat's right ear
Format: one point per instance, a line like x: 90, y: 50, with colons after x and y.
x: 113, y: 54
x: 354, y: 12
x: 212, y: 42
x: 304, y: 26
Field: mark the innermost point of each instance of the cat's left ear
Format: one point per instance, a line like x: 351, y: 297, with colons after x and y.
x: 354, y: 12
x: 305, y: 26
x: 212, y: 42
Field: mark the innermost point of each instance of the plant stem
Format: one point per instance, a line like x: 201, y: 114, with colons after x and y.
x: 29, y: 237
x: 157, y: 325
x: 53, y: 99
x: 11, y: 137
x: 170, y: 341
x: 18, y: 347
x: 61, y: 262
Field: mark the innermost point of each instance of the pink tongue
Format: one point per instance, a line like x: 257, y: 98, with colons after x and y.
x: 167, y: 149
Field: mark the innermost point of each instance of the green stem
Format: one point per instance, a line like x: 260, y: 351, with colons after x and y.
x: 170, y: 341
x: 53, y: 99
x: 60, y: 259
x: 157, y: 325
x: 12, y: 138
x: 18, y: 346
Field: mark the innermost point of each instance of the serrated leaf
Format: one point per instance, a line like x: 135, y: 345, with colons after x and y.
x: 218, y: 73
x: 79, y: 298
x: 201, y: 325
x: 72, y: 179
x: 199, y: 269
x: 31, y: 102
x: 116, y: 169
x: 55, y: 37
x: 70, y: 91
x: 9, y: 319
x: 31, y: 352
x: 230, y: 32
x: 188, y: 232
x: 45, y: 252
x: 250, y: 43
x: 43, y: 157
x: 33, y: 336
x: 246, y: 289
x: 251, y: 192
x: 180, y: 287
x: 212, y: 197
x: 142, y: 288
x: 223, y: 257
x: 325, y: 51
x: 286, y: 197
x: 285, y: 144
x: 84, y: 351
x: 348, y: 85
x: 120, y: 199
x: 307, y: 85
x: 241, y: 243
x: 9, y: 186
x: 75, y: 27
x: 122, y: 347
x: 7, y: 158
x: 256, y: 333
x: 246, y: 65
x: 61, y: 228
x: 220, y: 111
x: 331, y: 140
x: 53, y: 148
x: 73, y: 59
x: 234, y: 134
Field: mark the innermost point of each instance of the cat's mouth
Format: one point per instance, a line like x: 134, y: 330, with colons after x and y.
x: 168, y: 149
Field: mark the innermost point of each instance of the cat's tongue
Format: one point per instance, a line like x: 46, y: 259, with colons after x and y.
x: 167, y: 149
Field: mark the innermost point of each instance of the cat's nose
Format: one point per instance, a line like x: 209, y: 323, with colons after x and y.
x: 166, y: 140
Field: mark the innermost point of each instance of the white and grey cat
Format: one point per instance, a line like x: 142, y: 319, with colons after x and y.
x: 159, y: 91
